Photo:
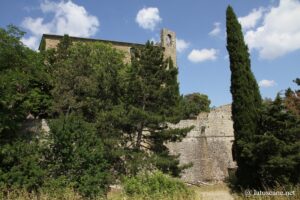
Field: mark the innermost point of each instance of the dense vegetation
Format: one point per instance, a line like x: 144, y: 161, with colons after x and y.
x: 267, y: 135
x: 107, y: 119
x: 110, y: 121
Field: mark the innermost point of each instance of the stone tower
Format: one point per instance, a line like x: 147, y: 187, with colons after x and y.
x: 168, y: 42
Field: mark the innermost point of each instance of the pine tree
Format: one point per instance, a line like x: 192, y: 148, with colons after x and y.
x: 277, y: 148
x: 292, y: 99
x: 246, y: 100
x: 152, y: 99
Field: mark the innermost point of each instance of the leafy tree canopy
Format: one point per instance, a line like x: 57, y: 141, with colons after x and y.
x: 195, y: 103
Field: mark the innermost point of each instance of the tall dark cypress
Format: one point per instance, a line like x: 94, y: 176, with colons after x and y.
x: 246, y: 101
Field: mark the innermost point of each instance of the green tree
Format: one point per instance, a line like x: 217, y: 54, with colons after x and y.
x: 195, y: 103
x: 152, y: 99
x: 246, y: 101
x: 24, y: 90
x: 277, y: 148
x: 24, y: 87
x: 76, y: 155
x: 21, y: 165
x: 87, y: 82
x: 292, y: 100
x: 87, y: 79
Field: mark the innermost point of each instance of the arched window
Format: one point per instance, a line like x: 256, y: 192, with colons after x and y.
x: 169, y: 40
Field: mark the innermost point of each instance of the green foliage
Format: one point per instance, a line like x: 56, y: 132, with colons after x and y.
x: 21, y: 166
x: 195, y: 103
x: 155, y: 185
x: 266, y: 144
x: 106, y: 117
x: 76, y: 156
x: 277, y: 148
x: 246, y: 101
x: 292, y: 100
x: 24, y: 90
x: 24, y: 82
x: 297, y: 81
x: 152, y: 100
x: 87, y: 79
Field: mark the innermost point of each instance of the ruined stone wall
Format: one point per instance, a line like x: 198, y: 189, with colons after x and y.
x: 207, y: 146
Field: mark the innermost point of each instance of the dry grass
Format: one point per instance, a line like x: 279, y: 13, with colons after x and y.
x: 24, y: 195
x: 215, y: 192
x: 63, y: 194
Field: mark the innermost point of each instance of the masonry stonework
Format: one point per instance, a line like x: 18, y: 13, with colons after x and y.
x: 207, y: 146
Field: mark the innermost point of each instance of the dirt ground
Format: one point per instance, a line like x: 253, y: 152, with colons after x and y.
x: 213, y: 192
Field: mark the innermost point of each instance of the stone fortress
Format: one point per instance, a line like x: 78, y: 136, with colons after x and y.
x: 168, y: 42
x: 208, y: 144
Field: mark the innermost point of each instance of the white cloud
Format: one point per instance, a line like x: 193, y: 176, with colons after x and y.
x: 31, y: 42
x: 267, y: 83
x: 154, y: 40
x: 251, y: 19
x: 279, y: 33
x: 217, y: 29
x: 181, y: 45
x: 148, y: 18
x: 202, y: 55
x: 69, y: 18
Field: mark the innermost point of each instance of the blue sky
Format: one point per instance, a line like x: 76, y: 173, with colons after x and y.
x: 271, y: 29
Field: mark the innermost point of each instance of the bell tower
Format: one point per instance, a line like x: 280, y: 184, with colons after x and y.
x: 168, y: 42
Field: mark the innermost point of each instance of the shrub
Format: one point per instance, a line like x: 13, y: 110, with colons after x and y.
x: 155, y: 186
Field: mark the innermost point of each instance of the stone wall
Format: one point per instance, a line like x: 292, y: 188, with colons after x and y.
x: 207, y: 146
x: 168, y: 42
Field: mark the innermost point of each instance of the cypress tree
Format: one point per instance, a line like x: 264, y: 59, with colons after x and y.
x: 246, y: 101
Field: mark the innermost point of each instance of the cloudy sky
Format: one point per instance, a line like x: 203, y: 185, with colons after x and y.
x: 271, y: 29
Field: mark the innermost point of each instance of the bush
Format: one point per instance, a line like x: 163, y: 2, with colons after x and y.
x: 20, y: 166
x: 193, y: 104
x: 155, y: 186
x: 76, y: 157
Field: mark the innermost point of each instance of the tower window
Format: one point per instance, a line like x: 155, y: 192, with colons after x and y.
x: 169, y: 40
